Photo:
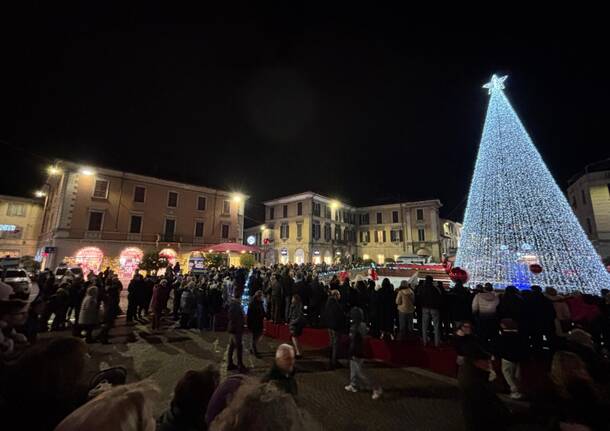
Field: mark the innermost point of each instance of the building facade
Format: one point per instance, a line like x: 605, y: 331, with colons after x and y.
x: 95, y: 215
x: 451, y: 233
x: 308, y: 227
x: 20, y: 221
x: 589, y: 194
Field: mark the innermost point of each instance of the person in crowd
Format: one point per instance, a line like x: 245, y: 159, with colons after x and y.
x: 59, y: 304
x: 76, y: 292
x: 296, y: 322
x: 158, y: 303
x: 263, y: 407
x: 178, y: 286
x: 541, y: 319
x: 287, y: 283
x: 317, y: 301
x: 510, y: 305
x: 283, y: 370
x: 430, y: 300
x: 481, y: 408
x: 123, y: 408
x: 235, y: 327
x: 563, y: 319
x: 276, y: 299
x: 13, y: 313
x: 188, y: 305
x: 190, y: 401
x: 445, y: 311
x: 334, y: 320
x: 88, y: 317
x: 581, y: 342
x: 255, y: 320
x: 358, y: 378
x: 147, y: 294
x: 33, y: 324
x: 405, y: 302
x: 134, y: 297
x: 512, y: 348
x: 48, y: 378
x: 460, y: 304
x: 484, y: 307
x: 465, y: 342
x: 203, y: 304
x: 572, y: 398
x: 111, y: 306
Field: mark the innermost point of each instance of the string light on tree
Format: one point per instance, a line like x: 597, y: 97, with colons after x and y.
x: 518, y: 227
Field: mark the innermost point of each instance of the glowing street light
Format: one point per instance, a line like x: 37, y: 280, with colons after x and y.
x: 263, y: 227
x: 53, y: 170
x: 39, y: 194
x: 87, y: 171
x: 237, y: 197
x: 334, y: 204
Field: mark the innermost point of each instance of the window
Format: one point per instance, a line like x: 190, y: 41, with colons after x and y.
x: 380, y: 236
x: 139, y: 194
x: 327, y: 212
x: 589, y: 226
x: 394, y: 216
x: 364, y: 218
x: 379, y: 218
x: 285, y: 211
x: 337, y: 233
x: 584, y: 197
x: 95, y: 221
x: 198, y: 229
x: 271, y: 213
x: 421, y: 234
x: 100, y: 190
x: 299, y: 230
x: 300, y: 208
x: 316, y: 209
x: 172, y: 199
x: 315, y: 231
x: 226, y: 206
x: 337, y: 215
x: 396, y: 235
x: 327, y: 232
x: 224, y: 233
x: 365, y: 236
x: 284, y: 231
x: 135, y: 225
x: 170, y: 226
x: 15, y: 210
x: 201, y: 201
x: 420, y: 215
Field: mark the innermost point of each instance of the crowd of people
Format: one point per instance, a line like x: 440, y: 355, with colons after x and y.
x: 492, y: 332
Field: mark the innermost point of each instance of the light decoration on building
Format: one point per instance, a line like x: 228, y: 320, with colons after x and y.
x: 517, y: 216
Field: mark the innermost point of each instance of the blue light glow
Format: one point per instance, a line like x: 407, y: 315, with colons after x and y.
x: 517, y: 215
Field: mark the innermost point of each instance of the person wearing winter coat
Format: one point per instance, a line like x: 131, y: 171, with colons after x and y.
x: 510, y: 305
x: 484, y: 307
x: 540, y: 323
x: 405, y: 304
x: 282, y: 371
x: 188, y: 305
x: 460, y: 304
x: 296, y: 322
x: 317, y: 301
x: 133, y: 297
x: 255, y: 320
x: 160, y: 292
x: 235, y: 327
x: 334, y: 319
x: 358, y: 378
x: 88, y: 318
x: 563, y: 318
x: 511, y: 346
x: 430, y: 300
x: 277, y: 304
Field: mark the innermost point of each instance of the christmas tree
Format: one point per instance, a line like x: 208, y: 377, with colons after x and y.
x: 517, y: 217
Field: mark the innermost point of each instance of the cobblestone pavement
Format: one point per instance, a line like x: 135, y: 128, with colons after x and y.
x: 410, y: 401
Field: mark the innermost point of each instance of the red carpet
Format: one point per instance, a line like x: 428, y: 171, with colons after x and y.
x: 396, y: 353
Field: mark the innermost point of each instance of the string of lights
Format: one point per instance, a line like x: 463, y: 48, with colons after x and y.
x: 517, y: 217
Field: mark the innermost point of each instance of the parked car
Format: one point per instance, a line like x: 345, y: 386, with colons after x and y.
x: 67, y: 272
x: 18, y: 279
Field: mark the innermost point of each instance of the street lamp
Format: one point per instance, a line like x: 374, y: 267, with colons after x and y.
x: 53, y: 170
x: 87, y: 171
x: 237, y: 197
x: 39, y: 194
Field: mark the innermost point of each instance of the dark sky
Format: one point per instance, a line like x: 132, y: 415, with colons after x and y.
x: 359, y: 104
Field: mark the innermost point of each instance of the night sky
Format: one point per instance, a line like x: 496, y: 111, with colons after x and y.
x: 357, y: 105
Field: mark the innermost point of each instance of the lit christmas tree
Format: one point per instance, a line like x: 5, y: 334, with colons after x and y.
x: 517, y: 216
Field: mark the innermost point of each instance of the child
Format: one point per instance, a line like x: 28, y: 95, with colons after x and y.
x: 512, y: 348
x: 358, y: 379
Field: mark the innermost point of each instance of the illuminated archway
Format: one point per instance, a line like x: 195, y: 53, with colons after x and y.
x: 328, y: 257
x: 89, y: 259
x: 299, y: 256
x: 170, y: 254
x: 129, y: 260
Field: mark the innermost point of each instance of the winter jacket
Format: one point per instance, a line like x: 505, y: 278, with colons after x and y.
x: 256, y: 316
x: 296, y: 319
x: 431, y: 297
x: 276, y: 289
x: 485, y: 304
x: 89, y: 311
x: 460, y: 304
x: 405, y: 300
x: 357, y: 331
x: 510, y: 307
x: 332, y: 316
x: 236, y: 318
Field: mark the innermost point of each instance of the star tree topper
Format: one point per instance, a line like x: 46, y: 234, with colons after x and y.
x: 496, y: 84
